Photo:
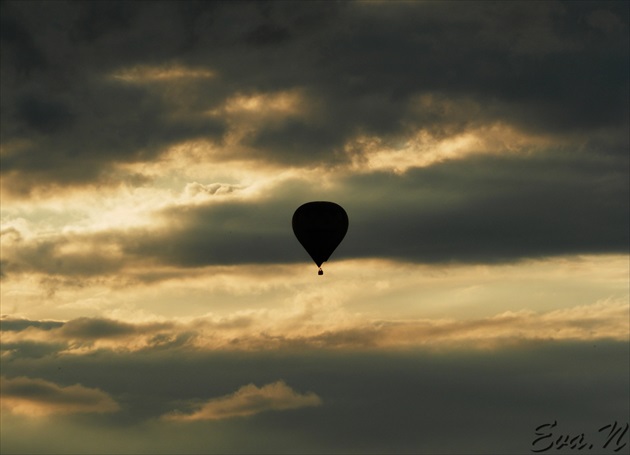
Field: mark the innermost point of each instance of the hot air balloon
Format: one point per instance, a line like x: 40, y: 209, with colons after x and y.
x: 320, y: 226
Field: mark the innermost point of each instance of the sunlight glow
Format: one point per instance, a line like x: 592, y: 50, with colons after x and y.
x: 38, y: 398
x: 167, y: 72
x: 290, y: 102
x: 424, y: 148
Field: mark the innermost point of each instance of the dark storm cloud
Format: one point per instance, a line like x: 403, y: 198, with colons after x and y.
x: 546, y: 64
x: 491, y: 209
x: 551, y: 67
x: 90, y: 328
x: 246, y: 232
x: 44, y: 116
x: 18, y: 325
x: 159, y: 335
x: 71, y: 120
x: 24, y: 53
x: 388, y: 402
x: 78, y: 140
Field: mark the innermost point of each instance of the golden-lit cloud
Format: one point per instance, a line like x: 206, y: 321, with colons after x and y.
x: 277, y: 297
x: 283, y: 103
x: 605, y: 320
x: 38, y: 397
x: 600, y: 321
x: 249, y: 400
x: 248, y: 115
x: 314, y: 324
x: 425, y: 148
x: 168, y: 72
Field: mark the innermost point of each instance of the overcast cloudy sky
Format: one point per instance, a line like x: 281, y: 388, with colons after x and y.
x: 155, y: 300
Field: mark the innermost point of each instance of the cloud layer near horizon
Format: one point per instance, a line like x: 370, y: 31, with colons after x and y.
x: 387, y: 402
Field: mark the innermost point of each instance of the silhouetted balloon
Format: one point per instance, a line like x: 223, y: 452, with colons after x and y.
x: 320, y: 227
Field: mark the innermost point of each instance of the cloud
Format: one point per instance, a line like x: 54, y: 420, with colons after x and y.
x: 152, y: 156
x: 544, y: 69
x: 487, y: 209
x: 482, y: 209
x: 38, y: 397
x: 144, y: 74
x: 449, y: 212
x: 87, y: 143
x: 602, y: 320
x: 391, y: 402
x: 426, y: 148
x: 63, y: 255
x: 312, y: 328
x: 250, y: 400
x: 507, y: 142
x: 17, y: 325
x: 24, y: 338
x: 91, y: 328
x: 196, y: 189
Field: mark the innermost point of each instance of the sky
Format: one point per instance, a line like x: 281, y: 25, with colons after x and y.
x: 155, y: 300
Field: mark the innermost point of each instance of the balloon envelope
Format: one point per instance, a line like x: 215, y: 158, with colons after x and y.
x: 320, y: 227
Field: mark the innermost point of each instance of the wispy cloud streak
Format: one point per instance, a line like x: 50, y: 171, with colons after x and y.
x: 247, y: 401
x: 273, y: 329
